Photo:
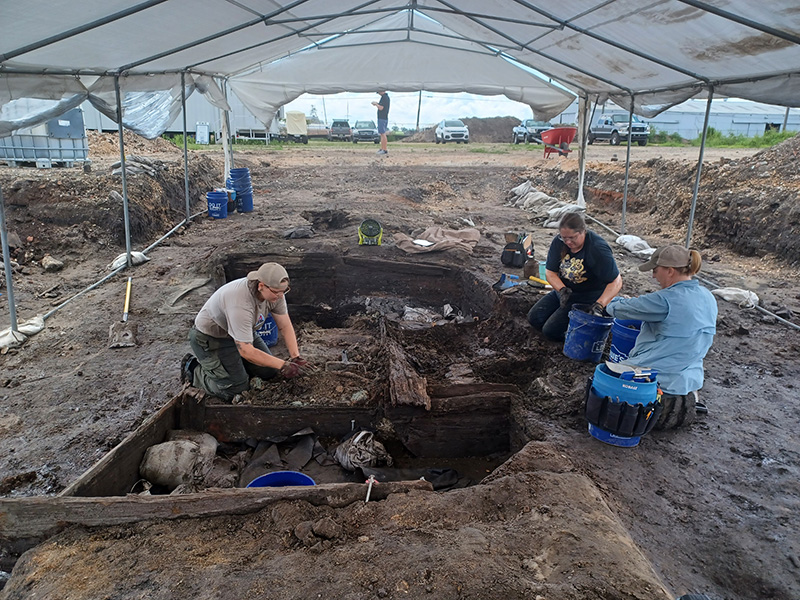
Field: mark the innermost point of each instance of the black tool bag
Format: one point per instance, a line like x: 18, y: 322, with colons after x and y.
x: 513, y: 255
x: 620, y: 418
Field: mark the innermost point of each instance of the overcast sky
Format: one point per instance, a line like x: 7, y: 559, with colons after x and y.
x: 403, y: 110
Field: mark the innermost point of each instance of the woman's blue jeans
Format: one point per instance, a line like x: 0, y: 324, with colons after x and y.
x: 548, y: 317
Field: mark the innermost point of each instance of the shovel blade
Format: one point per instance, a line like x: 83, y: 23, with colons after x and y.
x: 122, y: 335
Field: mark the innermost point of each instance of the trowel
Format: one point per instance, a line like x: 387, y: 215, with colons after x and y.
x: 122, y: 334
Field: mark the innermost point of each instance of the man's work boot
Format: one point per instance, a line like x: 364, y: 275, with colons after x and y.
x: 188, y: 363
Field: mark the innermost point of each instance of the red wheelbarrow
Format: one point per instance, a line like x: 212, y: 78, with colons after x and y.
x: 557, y: 140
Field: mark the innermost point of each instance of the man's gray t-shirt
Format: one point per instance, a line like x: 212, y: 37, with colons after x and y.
x: 233, y: 311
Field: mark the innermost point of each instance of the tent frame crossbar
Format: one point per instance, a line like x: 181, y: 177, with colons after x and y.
x: 78, y: 30
x: 208, y: 38
x: 789, y: 37
x: 258, y: 65
x: 524, y: 46
x: 614, y: 43
x: 409, y: 30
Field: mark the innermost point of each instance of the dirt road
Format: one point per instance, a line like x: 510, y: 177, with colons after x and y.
x: 713, y: 508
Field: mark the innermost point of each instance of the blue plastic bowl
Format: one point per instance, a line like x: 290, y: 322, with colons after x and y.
x: 281, y: 479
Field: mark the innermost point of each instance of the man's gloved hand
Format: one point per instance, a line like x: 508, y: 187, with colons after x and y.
x: 290, y: 370
x: 304, y: 365
x: 598, y: 310
x: 563, y: 296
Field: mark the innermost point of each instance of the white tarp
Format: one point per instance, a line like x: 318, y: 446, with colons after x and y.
x: 149, y: 103
x: 394, y: 67
x: 659, y: 52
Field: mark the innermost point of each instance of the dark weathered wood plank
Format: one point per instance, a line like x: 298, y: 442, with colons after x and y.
x: 467, y: 389
x: 476, y: 425
x: 229, y: 423
x: 406, y: 386
x: 40, y: 517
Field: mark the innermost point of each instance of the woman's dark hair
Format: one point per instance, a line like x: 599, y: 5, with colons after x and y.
x: 572, y: 220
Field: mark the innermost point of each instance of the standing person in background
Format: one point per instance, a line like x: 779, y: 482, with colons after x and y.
x: 678, y: 326
x: 582, y: 270
x: 383, y: 121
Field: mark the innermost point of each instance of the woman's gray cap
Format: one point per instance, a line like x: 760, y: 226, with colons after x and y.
x: 668, y: 256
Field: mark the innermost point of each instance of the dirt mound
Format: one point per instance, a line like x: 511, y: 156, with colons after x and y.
x: 752, y: 205
x: 496, y: 129
x: 107, y: 144
x: 513, y: 538
x: 67, y: 211
x: 489, y: 130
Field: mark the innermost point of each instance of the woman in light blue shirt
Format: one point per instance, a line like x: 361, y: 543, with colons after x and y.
x: 678, y: 327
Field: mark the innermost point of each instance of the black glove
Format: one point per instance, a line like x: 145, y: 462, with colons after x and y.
x: 598, y: 310
x: 563, y: 296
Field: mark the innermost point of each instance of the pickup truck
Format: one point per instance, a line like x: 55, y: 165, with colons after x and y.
x: 530, y: 131
x: 614, y: 128
x: 339, y: 130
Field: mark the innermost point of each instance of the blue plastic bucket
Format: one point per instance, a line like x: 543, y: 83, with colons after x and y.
x: 269, y: 331
x: 614, y: 440
x: 240, y: 181
x: 607, y: 383
x: 217, y: 204
x: 586, y: 335
x: 281, y: 479
x: 244, y: 202
x: 623, y: 337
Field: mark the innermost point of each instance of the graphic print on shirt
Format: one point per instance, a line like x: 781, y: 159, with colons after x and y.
x: 572, y: 269
x: 259, y: 322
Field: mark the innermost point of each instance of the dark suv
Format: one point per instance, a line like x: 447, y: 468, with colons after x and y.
x: 339, y: 130
x: 365, y: 131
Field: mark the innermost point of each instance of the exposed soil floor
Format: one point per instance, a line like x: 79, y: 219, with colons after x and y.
x: 713, y: 508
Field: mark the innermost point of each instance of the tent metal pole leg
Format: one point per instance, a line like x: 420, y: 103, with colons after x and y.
x: 699, y: 167
x: 583, y: 124
x: 627, y: 169
x: 185, y: 148
x: 227, y: 151
x: 419, y: 108
x: 126, y: 216
x: 12, y: 308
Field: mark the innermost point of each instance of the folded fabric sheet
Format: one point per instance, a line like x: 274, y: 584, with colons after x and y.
x: 441, y: 239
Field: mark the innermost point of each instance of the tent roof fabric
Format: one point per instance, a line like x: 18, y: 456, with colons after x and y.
x: 651, y: 54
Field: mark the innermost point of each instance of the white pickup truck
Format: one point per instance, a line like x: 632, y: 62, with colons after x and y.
x: 530, y: 131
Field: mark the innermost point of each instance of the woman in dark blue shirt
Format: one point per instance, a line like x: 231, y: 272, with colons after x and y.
x: 582, y: 270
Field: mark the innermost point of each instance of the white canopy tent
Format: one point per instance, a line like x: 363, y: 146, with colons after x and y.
x: 645, y: 55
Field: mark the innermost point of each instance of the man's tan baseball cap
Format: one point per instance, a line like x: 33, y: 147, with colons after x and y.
x: 270, y: 274
x: 668, y: 256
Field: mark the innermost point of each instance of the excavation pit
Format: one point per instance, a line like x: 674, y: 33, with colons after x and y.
x: 422, y: 354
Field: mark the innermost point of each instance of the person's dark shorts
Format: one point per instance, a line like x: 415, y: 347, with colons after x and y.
x: 383, y: 126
